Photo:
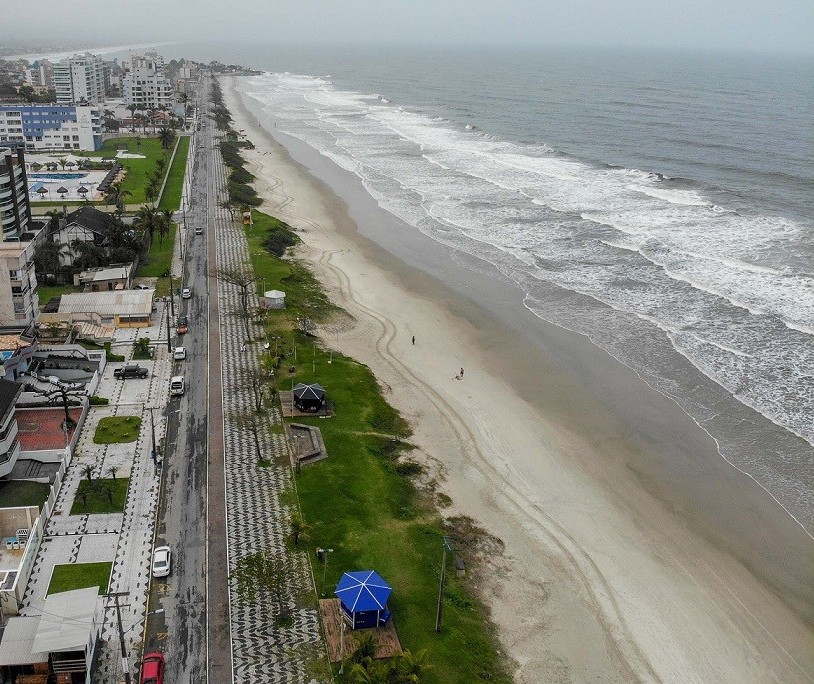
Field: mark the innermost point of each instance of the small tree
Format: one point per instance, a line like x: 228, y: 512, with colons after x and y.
x: 260, y: 575
x: 298, y: 526
x: 251, y: 422
x: 112, y: 472
x: 244, y: 279
x: 87, y: 469
x: 142, y: 346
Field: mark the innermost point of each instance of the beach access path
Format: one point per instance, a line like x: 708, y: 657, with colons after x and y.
x: 599, y: 580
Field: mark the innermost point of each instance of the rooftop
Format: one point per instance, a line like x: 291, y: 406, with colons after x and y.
x: 91, y: 218
x: 108, y: 273
x: 41, y: 429
x: 110, y: 303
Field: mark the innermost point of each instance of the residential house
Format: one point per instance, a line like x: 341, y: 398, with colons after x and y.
x: 119, y: 308
x: 114, y: 277
x: 86, y: 224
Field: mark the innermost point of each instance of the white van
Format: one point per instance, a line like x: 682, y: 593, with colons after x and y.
x: 177, y: 385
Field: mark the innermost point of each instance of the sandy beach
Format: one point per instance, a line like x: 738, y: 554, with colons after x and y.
x: 630, y: 549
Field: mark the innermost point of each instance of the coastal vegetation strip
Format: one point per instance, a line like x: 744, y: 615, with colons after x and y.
x: 363, y: 501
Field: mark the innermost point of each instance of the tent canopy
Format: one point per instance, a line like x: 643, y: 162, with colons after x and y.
x: 363, y: 590
x: 313, y: 392
x: 68, y: 621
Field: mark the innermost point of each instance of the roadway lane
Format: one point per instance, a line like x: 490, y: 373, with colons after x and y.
x: 193, y: 440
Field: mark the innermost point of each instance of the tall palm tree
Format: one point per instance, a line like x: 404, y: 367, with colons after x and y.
x: 132, y: 109
x: 115, y: 196
x: 148, y: 220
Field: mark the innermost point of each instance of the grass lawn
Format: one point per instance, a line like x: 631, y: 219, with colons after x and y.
x: 137, y: 169
x: 159, y: 260
x: 171, y: 199
x: 96, y: 499
x: 80, y: 576
x: 115, y: 429
x: 46, y: 292
x: 23, y: 493
x: 360, y: 502
x: 303, y: 293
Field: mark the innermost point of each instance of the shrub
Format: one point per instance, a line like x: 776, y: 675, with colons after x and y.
x: 98, y: 401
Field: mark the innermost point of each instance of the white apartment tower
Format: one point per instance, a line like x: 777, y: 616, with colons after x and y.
x: 80, y: 78
x: 15, y: 211
x: 144, y: 85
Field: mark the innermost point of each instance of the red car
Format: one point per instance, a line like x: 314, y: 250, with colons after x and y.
x: 182, y: 325
x: 152, y: 668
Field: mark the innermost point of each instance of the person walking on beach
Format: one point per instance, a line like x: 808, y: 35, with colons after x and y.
x: 414, y: 340
x: 462, y: 373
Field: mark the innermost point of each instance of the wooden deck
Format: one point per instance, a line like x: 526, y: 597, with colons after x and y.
x: 387, y: 640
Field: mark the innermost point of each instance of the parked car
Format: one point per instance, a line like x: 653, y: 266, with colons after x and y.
x: 180, y: 353
x: 143, y: 287
x: 131, y: 371
x: 198, y: 230
x: 182, y: 325
x: 177, y: 385
x: 152, y: 668
x: 161, y: 561
x: 186, y: 293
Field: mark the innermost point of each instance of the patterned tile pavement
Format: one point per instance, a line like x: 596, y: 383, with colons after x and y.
x: 124, y: 538
x: 263, y: 653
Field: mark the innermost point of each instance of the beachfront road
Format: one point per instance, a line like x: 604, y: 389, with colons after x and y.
x: 188, y: 508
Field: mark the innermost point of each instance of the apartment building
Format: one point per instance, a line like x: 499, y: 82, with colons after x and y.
x: 9, y: 442
x: 145, y: 86
x: 40, y: 76
x: 51, y: 127
x: 80, y: 78
x: 19, y: 299
x: 15, y: 211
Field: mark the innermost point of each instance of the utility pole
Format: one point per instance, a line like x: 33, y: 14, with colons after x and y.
x: 447, y: 546
x: 172, y: 299
x: 125, y: 662
x: 169, y: 336
x: 152, y: 428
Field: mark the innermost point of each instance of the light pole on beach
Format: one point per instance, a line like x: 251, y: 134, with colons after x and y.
x: 447, y: 546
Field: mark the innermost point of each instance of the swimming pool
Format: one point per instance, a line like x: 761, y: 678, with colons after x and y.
x: 57, y: 176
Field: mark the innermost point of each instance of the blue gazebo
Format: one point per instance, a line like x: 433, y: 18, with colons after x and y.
x: 363, y: 597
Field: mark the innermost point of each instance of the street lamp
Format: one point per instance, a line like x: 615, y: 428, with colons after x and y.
x: 325, y: 553
x: 447, y: 546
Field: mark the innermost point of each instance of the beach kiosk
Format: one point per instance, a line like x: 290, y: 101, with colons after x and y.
x: 310, y: 398
x: 274, y: 299
x: 363, y: 599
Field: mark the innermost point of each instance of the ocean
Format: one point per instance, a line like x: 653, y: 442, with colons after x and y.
x: 660, y: 203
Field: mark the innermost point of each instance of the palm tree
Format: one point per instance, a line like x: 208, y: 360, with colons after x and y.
x: 166, y: 137
x: 115, y: 196
x: 148, y: 219
x: 62, y: 162
x: 165, y: 225
x: 87, y: 469
x: 132, y: 109
x: 112, y: 472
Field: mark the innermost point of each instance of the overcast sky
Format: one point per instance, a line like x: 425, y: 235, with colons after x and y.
x: 760, y: 25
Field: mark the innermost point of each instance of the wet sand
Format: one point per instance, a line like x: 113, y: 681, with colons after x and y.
x: 632, y: 549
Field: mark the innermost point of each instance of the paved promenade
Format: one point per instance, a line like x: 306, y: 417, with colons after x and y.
x: 263, y: 653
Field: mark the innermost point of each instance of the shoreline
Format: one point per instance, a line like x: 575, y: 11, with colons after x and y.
x: 572, y: 544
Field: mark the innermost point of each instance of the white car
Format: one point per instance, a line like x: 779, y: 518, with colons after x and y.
x: 179, y: 353
x: 186, y: 293
x: 161, y: 561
